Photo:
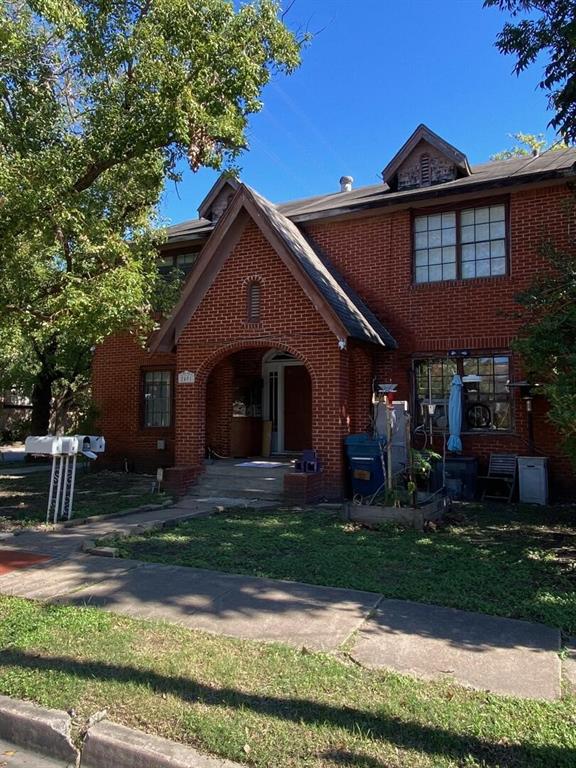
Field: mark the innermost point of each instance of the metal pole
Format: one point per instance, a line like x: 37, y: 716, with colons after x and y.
x: 51, y: 493
x: 64, y: 499
x: 59, y: 489
x: 389, y: 409
x: 72, y: 480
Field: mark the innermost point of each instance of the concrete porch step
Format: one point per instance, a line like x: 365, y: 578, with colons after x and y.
x: 201, y: 491
x: 231, y: 470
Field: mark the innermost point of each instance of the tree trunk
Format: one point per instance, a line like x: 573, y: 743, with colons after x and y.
x: 41, y: 402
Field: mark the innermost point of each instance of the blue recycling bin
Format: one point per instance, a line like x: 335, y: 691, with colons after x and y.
x: 364, y: 459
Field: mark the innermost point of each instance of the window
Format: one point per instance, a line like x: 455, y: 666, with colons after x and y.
x: 183, y: 262
x: 466, y: 243
x: 157, y: 398
x: 254, y: 302
x: 487, y: 403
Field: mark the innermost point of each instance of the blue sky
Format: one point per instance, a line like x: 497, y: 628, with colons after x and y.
x: 375, y: 70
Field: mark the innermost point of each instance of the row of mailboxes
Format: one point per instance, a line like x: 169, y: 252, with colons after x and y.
x: 60, y: 445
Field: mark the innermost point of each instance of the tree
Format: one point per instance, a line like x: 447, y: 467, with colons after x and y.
x: 548, y: 308
x: 527, y: 144
x: 99, y: 102
x: 548, y: 340
x: 549, y: 26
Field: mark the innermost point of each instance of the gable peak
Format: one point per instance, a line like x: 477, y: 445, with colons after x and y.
x: 219, y: 197
x: 425, y: 159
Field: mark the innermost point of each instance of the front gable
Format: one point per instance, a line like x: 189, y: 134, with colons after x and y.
x: 340, y: 309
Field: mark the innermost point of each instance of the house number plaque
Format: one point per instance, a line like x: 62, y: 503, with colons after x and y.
x: 186, y: 377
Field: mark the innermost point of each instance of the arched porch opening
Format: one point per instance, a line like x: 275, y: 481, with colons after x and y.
x: 258, y: 403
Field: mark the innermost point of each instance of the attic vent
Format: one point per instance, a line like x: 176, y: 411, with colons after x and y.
x: 425, y: 169
x: 254, y: 302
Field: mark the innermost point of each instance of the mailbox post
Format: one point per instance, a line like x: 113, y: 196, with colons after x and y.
x: 64, y: 452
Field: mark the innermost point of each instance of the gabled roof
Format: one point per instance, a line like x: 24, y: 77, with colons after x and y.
x: 423, y: 133
x: 225, y: 180
x: 343, y: 311
x: 557, y: 165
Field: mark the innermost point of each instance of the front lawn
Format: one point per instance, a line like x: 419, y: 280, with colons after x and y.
x: 23, y: 497
x: 267, y: 705
x: 506, y: 561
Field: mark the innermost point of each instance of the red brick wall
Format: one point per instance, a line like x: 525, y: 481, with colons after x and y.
x: 116, y: 387
x: 289, y: 322
x: 375, y: 255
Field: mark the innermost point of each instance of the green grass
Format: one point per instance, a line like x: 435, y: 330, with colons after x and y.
x: 267, y: 705
x: 506, y: 561
x: 23, y: 498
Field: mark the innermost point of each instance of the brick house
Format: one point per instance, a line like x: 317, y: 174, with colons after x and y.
x: 290, y: 314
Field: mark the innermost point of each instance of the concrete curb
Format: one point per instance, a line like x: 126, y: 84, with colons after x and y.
x: 108, y: 744
x: 40, y: 730
x: 123, y: 513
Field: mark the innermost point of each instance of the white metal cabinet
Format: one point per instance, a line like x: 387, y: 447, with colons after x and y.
x: 533, y: 479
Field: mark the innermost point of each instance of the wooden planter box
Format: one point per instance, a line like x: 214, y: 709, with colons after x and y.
x: 413, y: 517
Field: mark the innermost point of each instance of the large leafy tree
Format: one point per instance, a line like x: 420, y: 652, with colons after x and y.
x: 100, y: 100
x: 545, y: 27
x: 548, y: 308
x: 548, y: 339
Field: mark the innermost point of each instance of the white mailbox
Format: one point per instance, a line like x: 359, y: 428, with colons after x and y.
x: 94, y: 443
x: 45, y: 445
x: 64, y: 451
x: 70, y: 446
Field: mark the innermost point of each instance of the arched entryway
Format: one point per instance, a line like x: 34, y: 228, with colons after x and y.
x: 258, y: 403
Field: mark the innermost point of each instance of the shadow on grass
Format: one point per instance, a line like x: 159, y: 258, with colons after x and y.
x: 403, y: 734
x: 505, y: 561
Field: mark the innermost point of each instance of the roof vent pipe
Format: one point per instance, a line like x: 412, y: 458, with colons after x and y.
x: 346, y: 183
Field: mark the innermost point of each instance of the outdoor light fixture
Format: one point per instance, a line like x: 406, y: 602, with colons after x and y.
x: 525, y: 388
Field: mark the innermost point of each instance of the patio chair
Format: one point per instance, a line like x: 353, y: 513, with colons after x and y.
x: 502, y: 472
x: 308, y: 462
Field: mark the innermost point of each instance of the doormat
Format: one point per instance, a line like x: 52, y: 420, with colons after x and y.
x: 12, y: 559
x: 260, y: 464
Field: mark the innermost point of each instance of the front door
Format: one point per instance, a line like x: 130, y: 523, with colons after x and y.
x: 287, y: 402
x: 297, y: 408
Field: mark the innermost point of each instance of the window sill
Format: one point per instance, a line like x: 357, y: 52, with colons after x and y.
x: 156, y: 430
x: 472, y: 281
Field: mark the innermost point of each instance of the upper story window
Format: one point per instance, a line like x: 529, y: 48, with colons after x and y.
x: 466, y: 243
x: 157, y: 386
x: 183, y: 262
x: 254, y: 308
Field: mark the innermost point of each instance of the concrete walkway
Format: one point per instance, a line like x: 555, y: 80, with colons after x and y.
x: 497, y: 654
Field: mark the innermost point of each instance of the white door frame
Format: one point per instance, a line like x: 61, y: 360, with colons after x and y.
x: 275, y: 369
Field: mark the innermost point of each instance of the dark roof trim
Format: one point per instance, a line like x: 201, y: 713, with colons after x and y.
x: 423, y: 133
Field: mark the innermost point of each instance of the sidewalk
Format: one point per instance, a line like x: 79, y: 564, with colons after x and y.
x: 505, y: 656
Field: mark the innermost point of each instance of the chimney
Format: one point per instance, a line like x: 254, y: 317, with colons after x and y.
x: 346, y: 183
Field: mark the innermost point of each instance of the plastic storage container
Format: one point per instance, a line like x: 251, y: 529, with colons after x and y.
x: 364, y: 458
